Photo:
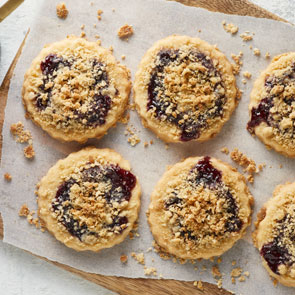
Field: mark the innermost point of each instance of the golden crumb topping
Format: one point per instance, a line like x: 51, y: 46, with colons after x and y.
x: 91, y: 203
x: 125, y: 31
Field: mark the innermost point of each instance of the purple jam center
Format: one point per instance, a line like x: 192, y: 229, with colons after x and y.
x: 260, y: 114
x: 122, y: 183
x: 207, y: 174
x: 274, y: 255
x: 100, y: 104
x: 190, y: 129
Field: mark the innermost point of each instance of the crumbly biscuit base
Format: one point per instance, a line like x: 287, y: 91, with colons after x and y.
x: 271, y: 210
x: 117, y: 73
x: 49, y: 184
x: 162, y: 233
x: 167, y: 131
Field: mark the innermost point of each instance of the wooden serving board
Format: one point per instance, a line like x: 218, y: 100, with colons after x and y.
x: 127, y: 286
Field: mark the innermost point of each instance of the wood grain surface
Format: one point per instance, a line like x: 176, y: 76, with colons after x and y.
x: 127, y: 286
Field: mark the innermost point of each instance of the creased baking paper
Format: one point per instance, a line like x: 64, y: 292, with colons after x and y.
x: 151, y: 20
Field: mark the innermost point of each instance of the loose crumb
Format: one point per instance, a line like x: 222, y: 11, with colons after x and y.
x: 246, y: 162
x: 166, y: 146
x: 246, y: 273
x: 94, y: 25
x: 7, y: 176
x: 241, y: 279
x: 24, y: 210
x: 246, y: 37
x: 82, y: 35
x: 238, y: 63
x: 275, y: 282
x: 230, y: 28
x: 215, y: 271
x: 123, y: 57
x: 29, y: 151
x: 123, y: 258
x: 134, y: 140
x: 256, y: 51
x: 219, y: 283
x: 148, y: 271
x: 219, y: 260
x: 146, y: 144
x: 244, y: 81
x: 233, y: 262
x: 61, y: 10
x: 82, y: 27
x: 111, y: 49
x: 281, y: 166
x: 225, y: 150
x: 125, y: 31
x: 19, y: 133
x: 236, y: 272
x: 138, y: 257
x: 151, y: 141
x: 267, y: 55
x: 247, y: 75
x: 199, y: 285
x: 99, y: 13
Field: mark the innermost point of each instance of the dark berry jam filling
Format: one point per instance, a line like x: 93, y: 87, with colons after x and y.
x: 274, y: 255
x: 261, y: 113
x: 191, y: 127
x: 99, y: 105
x: 122, y: 183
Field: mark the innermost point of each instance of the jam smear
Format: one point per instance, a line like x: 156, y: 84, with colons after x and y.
x: 274, y: 255
x: 207, y: 173
x: 50, y: 64
x: 234, y: 223
x: 172, y: 201
x: 260, y: 114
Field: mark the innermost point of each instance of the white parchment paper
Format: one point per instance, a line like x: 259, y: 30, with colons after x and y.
x: 152, y: 20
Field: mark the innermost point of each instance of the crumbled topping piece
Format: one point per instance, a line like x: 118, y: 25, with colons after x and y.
x: 267, y: 55
x: 24, y: 210
x: 125, y: 31
x: 148, y: 271
x: 123, y: 57
x: 244, y: 81
x: 146, y: 144
x: 236, y: 272
x: 241, y: 279
x: 219, y: 283
x: 61, y: 10
x: 29, y: 151
x: 125, y: 119
x: 138, y: 257
x: 99, y: 13
x: 19, y: 133
x: 230, y: 28
x: 7, y: 176
x: 256, y: 51
x: 246, y: 162
x: 234, y: 262
x: 123, y: 258
x: 219, y: 260
x: 247, y: 74
x: 199, y: 285
x: 94, y: 25
x: 225, y: 150
x: 238, y: 63
x: 111, y: 49
x: 215, y: 271
x: 134, y: 140
x: 275, y: 282
x: 83, y: 34
x: 82, y: 27
x: 246, y: 273
x: 246, y: 36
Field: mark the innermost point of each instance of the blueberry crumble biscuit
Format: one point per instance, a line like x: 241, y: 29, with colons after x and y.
x: 275, y: 234
x: 272, y: 105
x: 199, y: 208
x: 75, y: 90
x: 185, y: 89
x: 89, y: 200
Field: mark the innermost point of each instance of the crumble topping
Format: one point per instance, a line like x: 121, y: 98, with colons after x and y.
x: 238, y: 63
x: 200, y: 209
x: 92, y: 202
x: 150, y: 271
x: 61, y: 10
x: 199, y: 285
x: 230, y: 28
x: 247, y: 75
x: 24, y: 211
x: 225, y: 150
x: 267, y: 55
x: 7, y: 177
x: 125, y: 31
x: 186, y: 91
